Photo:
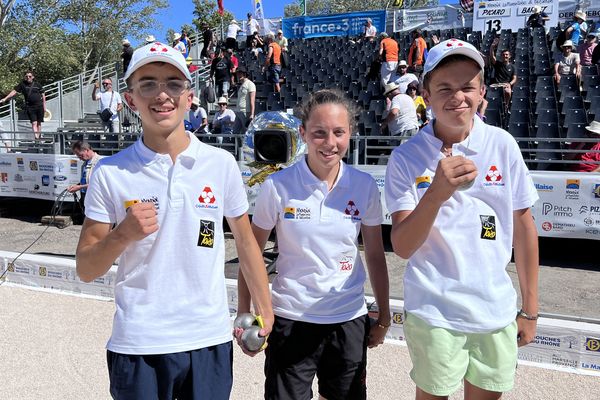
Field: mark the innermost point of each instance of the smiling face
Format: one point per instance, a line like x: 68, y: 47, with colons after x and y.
x: 327, y: 136
x: 454, y: 92
x: 162, y: 113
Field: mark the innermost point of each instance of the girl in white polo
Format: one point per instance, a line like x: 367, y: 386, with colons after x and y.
x: 318, y: 207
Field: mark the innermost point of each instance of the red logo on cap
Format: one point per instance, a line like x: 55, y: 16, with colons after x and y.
x: 159, y: 47
x: 454, y: 42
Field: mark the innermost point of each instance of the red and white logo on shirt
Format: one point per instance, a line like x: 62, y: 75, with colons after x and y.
x: 207, y: 198
x: 493, y: 177
x: 351, y: 209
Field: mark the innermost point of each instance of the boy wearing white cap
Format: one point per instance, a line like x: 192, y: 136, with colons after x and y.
x: 459, y: 193
x: 167, y: 195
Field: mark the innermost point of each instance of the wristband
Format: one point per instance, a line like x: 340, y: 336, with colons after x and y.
x: 379, y: 324
x: 529, y: 317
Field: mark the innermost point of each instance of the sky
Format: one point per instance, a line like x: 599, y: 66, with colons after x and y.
x: 180, y: 12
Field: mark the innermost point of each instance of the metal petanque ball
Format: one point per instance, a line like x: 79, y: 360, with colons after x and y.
x: 252, y: 340
x: 244, y: 321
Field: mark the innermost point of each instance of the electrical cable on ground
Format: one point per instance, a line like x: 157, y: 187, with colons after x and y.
x: 56, y: 210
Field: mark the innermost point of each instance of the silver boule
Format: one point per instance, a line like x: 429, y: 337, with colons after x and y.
x: 252, y: 340
x: 244, y: 321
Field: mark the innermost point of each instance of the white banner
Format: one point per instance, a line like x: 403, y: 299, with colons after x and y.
x: 38, y: 176
x: 565, y: 345
x: 267, y: 25
x: 567, y: 9
x: 569, y: 204
x: 442, y: 17
x: 510, y: 14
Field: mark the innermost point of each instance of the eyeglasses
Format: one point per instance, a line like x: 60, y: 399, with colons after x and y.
x: 28, y: 76
x: 412, y: 88
x: 403, y: 66
x: 174, y: 87
x: 106, y: 83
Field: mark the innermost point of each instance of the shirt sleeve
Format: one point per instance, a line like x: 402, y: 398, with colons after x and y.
x: 98, y: 201
x: 265, y: 210
x: 399, y: 188
x: 374, y: 214
x: 236, y: 201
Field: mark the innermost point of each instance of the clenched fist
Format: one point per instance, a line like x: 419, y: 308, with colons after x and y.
x: 451, y: 173
x: 141, y: 221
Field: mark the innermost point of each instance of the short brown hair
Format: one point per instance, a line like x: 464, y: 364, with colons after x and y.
x: 327, y: 96
x: 81, y: 145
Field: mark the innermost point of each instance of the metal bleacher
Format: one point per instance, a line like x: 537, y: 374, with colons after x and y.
x: 544, y: 117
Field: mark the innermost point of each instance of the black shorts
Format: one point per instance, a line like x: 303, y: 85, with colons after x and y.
x: 35, y: 114
x: 336, y: 353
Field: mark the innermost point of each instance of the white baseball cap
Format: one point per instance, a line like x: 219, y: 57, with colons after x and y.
x: 448, y: 48
x: 176, y: 36
x: 157, y: 52
x: 402, y: 63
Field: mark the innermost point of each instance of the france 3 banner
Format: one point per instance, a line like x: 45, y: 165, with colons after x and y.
x: 569, y: 204
x: 567, y: 9
x: 38, y: 176
x: 442, y: 17
x: 348, y: 24
x: 510, y: 14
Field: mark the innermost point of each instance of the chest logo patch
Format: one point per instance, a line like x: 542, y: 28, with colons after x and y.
x: 488, y: 227
x: 493, y: 177
x: 207, y: 199
x: 206, y: 238
x: 296, y: 213
x: 351, y: 209
x: 423, y: 182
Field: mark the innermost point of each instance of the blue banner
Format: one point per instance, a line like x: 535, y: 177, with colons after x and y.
x: 349, y: 24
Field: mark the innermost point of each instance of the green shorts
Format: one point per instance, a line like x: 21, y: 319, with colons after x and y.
x: 442, y: 358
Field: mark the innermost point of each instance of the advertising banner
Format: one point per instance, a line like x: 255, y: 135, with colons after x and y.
x: 569, y: 204
x: 567, y: 9
x: 442, y: 17
x: 510, y: 14
x: 349, y: 24
x: 37, y: 176
x: 570, y: 346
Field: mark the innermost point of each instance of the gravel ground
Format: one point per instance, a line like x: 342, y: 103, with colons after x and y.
x: 53, y: 346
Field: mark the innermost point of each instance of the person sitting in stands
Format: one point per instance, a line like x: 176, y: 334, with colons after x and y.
x: 590, y: 160
x: 567, y: 63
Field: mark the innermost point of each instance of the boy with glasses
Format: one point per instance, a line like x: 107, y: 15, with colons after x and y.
x: 109, y: 100
x: 35, y: 102
x: 167, y: 195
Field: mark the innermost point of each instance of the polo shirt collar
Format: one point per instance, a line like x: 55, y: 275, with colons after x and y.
x: 187, y: 157
x: 309, y: 179
x: 470, y: 146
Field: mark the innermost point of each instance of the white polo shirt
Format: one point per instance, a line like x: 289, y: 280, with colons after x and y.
x: 320, y: 272
x: 457, y: 279
x: 170, y: 292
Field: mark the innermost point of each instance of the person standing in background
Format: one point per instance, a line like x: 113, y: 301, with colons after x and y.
x: 35, y: 102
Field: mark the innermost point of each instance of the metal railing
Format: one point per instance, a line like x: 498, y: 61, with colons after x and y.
x: 364, y: 150
x: 70, y: 99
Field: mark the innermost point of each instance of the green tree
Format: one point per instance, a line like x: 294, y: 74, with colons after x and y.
x: 61, y: 38
x: 206, y: 12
